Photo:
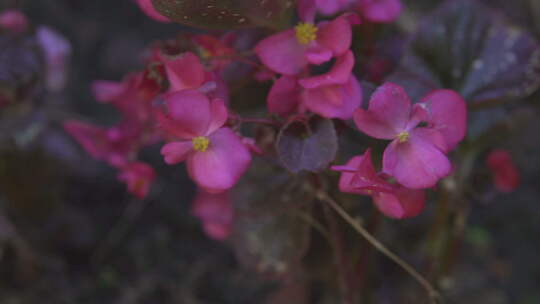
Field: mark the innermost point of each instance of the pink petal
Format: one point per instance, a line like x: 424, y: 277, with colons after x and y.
x: 380, y: 11
x: 184, y: 71
x: 88, y: 136
x: 316, y: 54
x: 282, y: 53
x: 138, y: 177
x: 190, y: 113
x: 106, y: 91
x: 330, y: 7
x: 334, y: 101
x: 335, y: 35
x: 216, y: 212
x: 417, y: 163
x: 176, y: 152
x: 148, y: 8
x: 13, y: 20
x: 388, y: 112
x: 284, y: 97
x: 505, y: 173
x: 403, y: 203
x: 307, y: 10
x: 364, y: 179
x: 448, y: 114
x: 339, y: 74
x: 218, y: 115
x: 221, y: 166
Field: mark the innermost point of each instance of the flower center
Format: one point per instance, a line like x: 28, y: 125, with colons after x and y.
x: 200, y: 143
x: 403, y: 137
x: 306, y: 32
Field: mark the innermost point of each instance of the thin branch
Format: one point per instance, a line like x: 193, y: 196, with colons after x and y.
x: 433, y: 294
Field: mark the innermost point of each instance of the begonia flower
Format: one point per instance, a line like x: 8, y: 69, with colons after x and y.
x: 148, y: 8
x: 115, y: 145
x: 336, y: 94
x: 216, y: 156
x: 505, y: 173
x: 416, y: 156
x: 358, y: 176
x: 14, y: 21
x: 377, y: 11
x: 216, y: 212
x: 184, y: 71
x: 138, y: 177
x: 290, y: 51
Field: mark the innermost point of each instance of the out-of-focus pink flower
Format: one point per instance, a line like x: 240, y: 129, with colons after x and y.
x: 335, y: 94
x: 14, y: 21
x: 379, y: 11
x: 289, y: 52
x: 416, y: 156
x: 115, y: 145
x: 215, y: 212
x: 216, y: 156
x: 148, y: 8
x: 505, y: 173
x: 138, y: 177
x: 359, y: 177
x: 132, y: 96
x: 57, y: 51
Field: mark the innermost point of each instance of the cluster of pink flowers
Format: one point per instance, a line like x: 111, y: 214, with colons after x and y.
x: 421, y: 135
x: 182, y: 98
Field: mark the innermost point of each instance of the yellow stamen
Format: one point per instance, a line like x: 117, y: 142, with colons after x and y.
x: 306, y: 32
x: 403, y: 137
x: 200, y: 143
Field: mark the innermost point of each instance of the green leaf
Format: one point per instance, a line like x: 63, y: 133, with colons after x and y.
x: 465, y: 47
x: 308, y: 147
x: 227, y: 14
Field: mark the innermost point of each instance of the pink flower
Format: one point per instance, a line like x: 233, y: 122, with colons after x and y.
x: 359, y: 177
x: 14, y: 21
x: 289, y: 52
x: 216, y: 156
x: 115, y: 145
x: 57, y: 50
x: 132, y: 96
x: 138, y: 177
x: 148, y: 8
x: 336, y: 94
x: 416, y: 156
x: 184, y: 71
x: 379, y: 11
x: 505, y: 174
x: 216, y: 213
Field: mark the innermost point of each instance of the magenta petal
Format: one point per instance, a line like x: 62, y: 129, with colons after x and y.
x: 176, y: 152
x: 284, y: 98
x: 106, y: 91
x: 316, y: 54
x: 334, y: 101
x: 282, y: 53
x: 336, y: 35
x: 403, y: 203
x: 221, y: 166
x: 216, y: 212
x: 339, y: 74
x: 380, y: 11
x: 388, y: 112
x: 330, y: 7
x: 190, y: 112
x: 138, y: 177
x: 448, y: 114
x: 417, y: 163
x: 148, y: 8
x: 363, y: 179
x: 88, y: 136
x: 307, y: 10
x: 218, y: 115
x: 184, y: 71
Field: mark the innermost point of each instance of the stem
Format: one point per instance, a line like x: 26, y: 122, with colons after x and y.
x: 433, y: 294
